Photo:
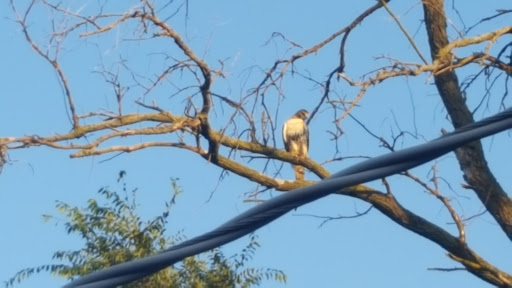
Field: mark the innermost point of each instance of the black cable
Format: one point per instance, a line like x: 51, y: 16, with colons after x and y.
x: 272, y: 209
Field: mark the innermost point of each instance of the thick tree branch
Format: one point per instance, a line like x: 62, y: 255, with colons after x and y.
x: 177, y: 123
x: 387, y: 204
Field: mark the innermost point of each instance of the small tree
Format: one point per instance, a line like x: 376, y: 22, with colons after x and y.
x: 114, y: 233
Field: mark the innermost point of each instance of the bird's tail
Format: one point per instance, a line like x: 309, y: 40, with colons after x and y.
x: 299, y: 172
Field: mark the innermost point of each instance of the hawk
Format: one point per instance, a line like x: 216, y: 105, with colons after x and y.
x: 296, y: 139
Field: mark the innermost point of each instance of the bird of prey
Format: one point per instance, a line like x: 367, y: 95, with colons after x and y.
x: 296, y: 139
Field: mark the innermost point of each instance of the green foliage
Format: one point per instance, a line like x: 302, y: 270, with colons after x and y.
x: 114, y: 233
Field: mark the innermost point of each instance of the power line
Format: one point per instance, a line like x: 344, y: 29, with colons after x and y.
x: 268, y: 211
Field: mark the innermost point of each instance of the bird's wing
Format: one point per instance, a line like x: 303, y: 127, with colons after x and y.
x: 285, y: 137
x: 306, y: 134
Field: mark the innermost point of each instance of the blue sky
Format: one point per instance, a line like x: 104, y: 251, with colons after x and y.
x: 368, y: 251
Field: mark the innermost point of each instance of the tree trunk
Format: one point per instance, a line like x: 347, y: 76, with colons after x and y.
x: 471, y: 157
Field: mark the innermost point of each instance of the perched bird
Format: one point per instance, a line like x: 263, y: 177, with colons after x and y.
x: 296, y: 138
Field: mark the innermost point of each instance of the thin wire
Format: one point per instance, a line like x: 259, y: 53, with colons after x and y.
x: 274, y: 208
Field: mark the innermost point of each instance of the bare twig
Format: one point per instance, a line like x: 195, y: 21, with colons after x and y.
x: 446, y: 202
x: 339, y: 217
x: 53, y: 61
x: 413, y: 44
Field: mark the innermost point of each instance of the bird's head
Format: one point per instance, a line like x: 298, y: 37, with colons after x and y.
x: 302, y: 114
